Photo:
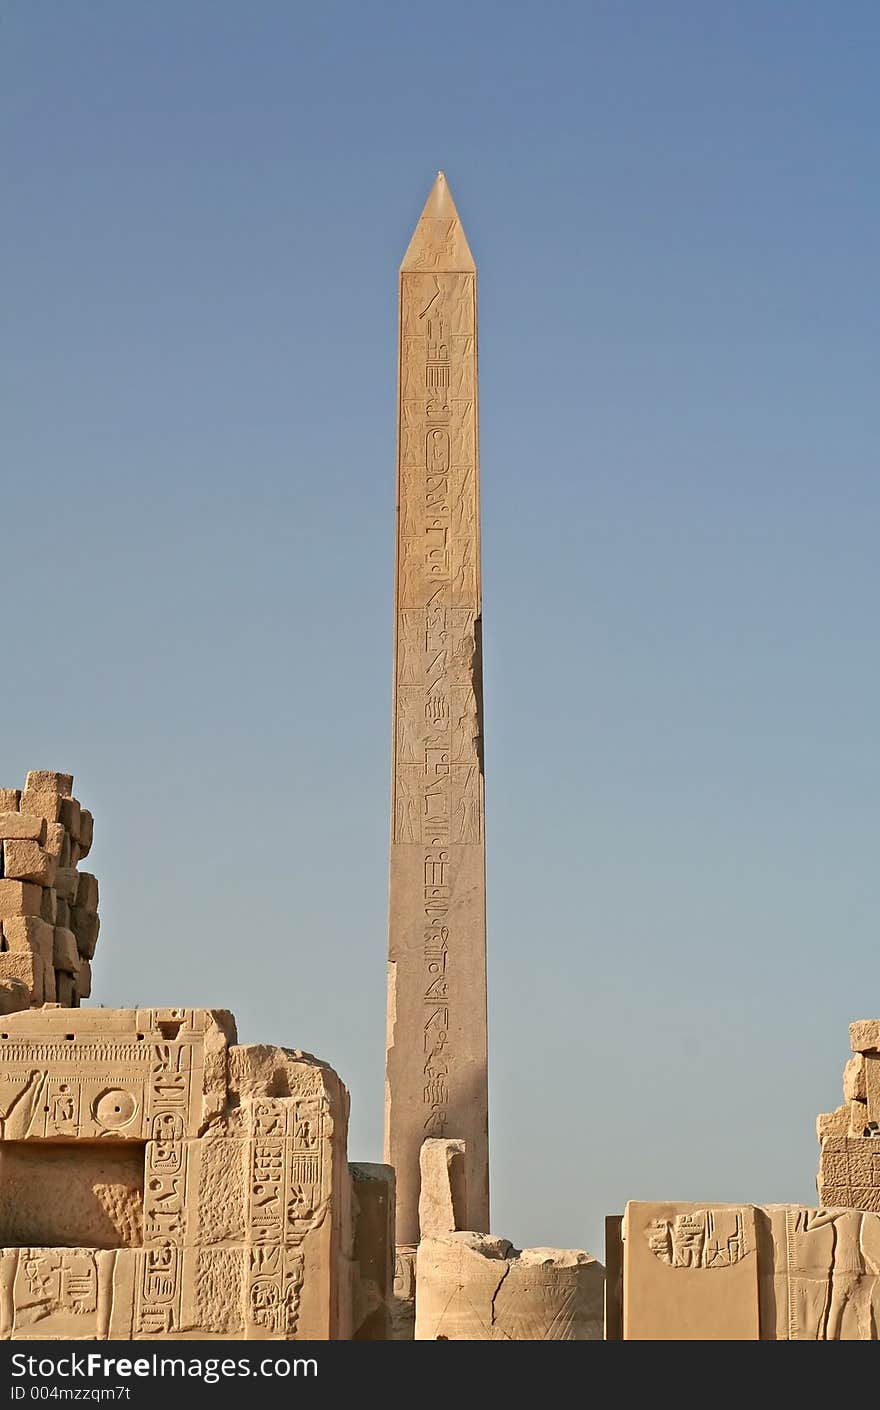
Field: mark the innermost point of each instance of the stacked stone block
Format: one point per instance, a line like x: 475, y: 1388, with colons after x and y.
x: 48, y: 907
x: 849, y: 1162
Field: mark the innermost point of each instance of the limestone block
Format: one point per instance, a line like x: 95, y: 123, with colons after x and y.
x: 87, y: 892
x: 14, y: 996
x: 73, y: 854
x: 65, y: 989
x: 48, y: 905
x: 747, y: 1273
x: 64, y: 858
x: 9, y: 800
x: 29, y: 934
x: 42, y: 804
x: 854, y: 1089
x: 86, y: 832
x: 858, y: 1119
x: 476, y: 1287
x: 46, y: 781
x: 66, y: 882
x: 220, y: 1215
x: 24, y: 860
x: 864, y: 1035
x: 443, y: 1191
x: 66, y: 955
x: 70, y: 816
x: 833, y: 1123
x: 373, y: 1208
x: 85, y: 926
x: 26, y: 967
x: 54, y: 839
x: 690, y: 1270
x: 402, y: 1318
x: 62, y: 914
x: 22, y: 825
x: 84, y: 979
x: 19, y: 898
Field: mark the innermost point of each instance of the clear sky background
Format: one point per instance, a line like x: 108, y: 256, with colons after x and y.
x: 674, y: 210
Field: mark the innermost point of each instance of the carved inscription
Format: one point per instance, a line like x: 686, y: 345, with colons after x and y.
x: 287, y: 1198
x: 702, y: 1238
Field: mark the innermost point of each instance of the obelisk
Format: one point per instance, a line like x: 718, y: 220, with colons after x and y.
x: 436, y: 1078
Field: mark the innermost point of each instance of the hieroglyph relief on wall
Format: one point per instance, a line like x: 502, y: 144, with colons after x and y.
x: 156, y: 1181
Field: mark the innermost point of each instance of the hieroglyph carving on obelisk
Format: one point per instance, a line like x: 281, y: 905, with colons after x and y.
x: 436, y: 1059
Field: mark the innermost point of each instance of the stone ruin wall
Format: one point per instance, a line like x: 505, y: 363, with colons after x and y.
x: 48, y: 907
x: 159, y: 1180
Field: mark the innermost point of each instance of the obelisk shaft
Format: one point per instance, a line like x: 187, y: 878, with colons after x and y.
x: 436, y: 1069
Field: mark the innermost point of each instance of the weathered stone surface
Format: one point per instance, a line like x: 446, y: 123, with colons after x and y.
x: 47, y: 781
x: 87, y: 892
x: 86, y: 831
x: 28, y: 933
x: 49, y: 905
x: 41, y: 804
x: 66, y: 883
x: 833, y: 1123
x: 14, y: 996
x: 403, y: 1300
x: 24, y: 860
x: 85, y: 926
x: 70, y: 817
x: 475, y: 1287
x: 28, y: 968
x: 864, y: 1035
x: 21, y: 825
x: 160, y: 1203
x: 9, y: 800
x: 374, y: 1252
x: 854, y: 1088
x: 748, y: 1273
x: 54, y: 840
x: 65, y: 954
x: 436, y: 1078
x: 443, y: 1193
x: 19, y: 898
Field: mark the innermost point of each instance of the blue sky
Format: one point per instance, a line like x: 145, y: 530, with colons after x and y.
x: 674, y: 212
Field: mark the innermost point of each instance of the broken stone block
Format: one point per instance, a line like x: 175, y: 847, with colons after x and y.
x: 443, y: 1190
x: 14, y: 996
x: 27, y: 968
x: 85, y: 926
x: 87, y: 892
x: 833, y: 1123
x: 70, y: 816
x: 66, y: 882
x: 84, y: 979
x: 65, y: 989
x: 373, y: 1209
x: 403, y: 1300
x: 49, y: 905
x: 477, y: 1287
x: 62, y: 914
x: 65, y: 953
x: 54, y: 839
x: 24, y: 860
x: 86, y: 832
x: 22, y: 825
x: 9, y: 800
x: 864, y: 1035
x: 19, y: 898
x: 854, y: 1089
